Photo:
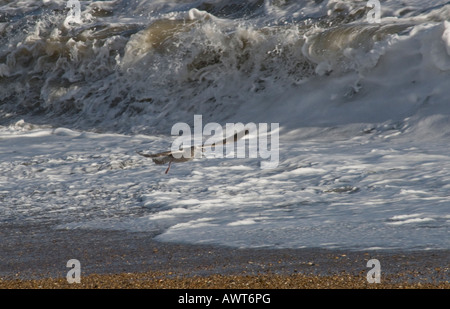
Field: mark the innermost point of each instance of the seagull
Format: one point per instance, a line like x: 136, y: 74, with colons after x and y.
x: 182, y: 154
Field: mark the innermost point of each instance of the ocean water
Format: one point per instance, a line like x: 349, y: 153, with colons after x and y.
x: 363, y: 110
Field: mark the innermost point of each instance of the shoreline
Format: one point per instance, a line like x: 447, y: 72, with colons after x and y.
x: 35, y: 256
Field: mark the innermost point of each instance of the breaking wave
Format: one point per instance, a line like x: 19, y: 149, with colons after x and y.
x: 140, y: 67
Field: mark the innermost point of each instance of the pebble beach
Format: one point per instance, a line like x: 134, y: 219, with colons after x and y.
x: 118, y: 260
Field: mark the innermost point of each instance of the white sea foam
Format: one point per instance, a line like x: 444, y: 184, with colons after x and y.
x: 363, y: 113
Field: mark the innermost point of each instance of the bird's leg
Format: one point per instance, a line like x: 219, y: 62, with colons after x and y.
x: 167, y: 170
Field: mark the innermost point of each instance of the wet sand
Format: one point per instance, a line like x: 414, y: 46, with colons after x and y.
x: 35, y: 256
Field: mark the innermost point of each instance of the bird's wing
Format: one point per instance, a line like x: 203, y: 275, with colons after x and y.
x: 234, y: 139
x: 155, y: 155
x: 158, y: 158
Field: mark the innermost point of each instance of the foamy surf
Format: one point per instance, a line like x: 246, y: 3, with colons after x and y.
x: 362, y: 108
